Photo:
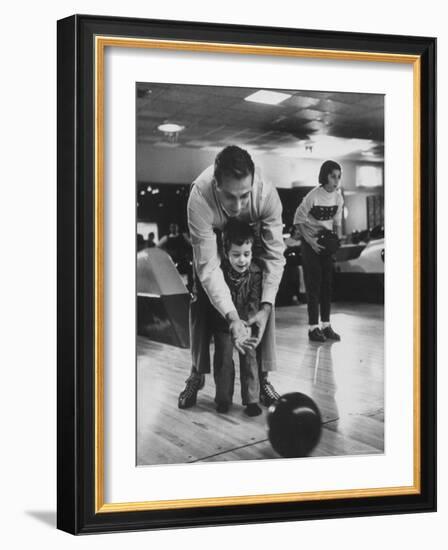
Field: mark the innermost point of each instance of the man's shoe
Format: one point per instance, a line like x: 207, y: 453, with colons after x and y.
x: 187, y: 397
x: 316, y: 335
x: 268, y: 395
x: 331, y: 334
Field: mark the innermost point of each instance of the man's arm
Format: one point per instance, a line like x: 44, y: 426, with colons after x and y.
x: 205, y: 253
x: 254, y: 306
x: 272, y: 258
x: 273, y: 246
x: 207, y: 265
x: 255, y: 292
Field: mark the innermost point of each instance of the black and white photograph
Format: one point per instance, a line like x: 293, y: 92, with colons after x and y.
x: 259, y: 273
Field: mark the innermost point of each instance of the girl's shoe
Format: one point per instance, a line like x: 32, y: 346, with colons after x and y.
x: 331, y: 334
x: 316, y: 335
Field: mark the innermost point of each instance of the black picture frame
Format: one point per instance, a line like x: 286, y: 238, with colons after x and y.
x: 76, y: 510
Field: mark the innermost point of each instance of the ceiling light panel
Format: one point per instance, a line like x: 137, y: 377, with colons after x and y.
x: 268, y: 97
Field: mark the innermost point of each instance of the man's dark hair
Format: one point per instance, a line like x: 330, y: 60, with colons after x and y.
x: 237, y: 232
x: 327, y: 167
x: 233, y: 162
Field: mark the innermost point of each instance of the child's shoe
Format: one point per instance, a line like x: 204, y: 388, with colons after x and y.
x: 252, y: 410
x: 223, y: 408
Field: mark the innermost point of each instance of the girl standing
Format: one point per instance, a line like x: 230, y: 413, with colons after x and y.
x: 320, y: 210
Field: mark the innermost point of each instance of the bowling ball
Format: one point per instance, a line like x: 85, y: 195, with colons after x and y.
x: 294, y: 425
x: 329, y: 240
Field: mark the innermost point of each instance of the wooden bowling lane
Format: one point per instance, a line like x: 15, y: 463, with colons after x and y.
x: 329, y: 442
x: 345, y: 379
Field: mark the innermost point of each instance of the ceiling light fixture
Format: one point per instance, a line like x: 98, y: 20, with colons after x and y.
x: 268, y: 97
x: 170, y: 128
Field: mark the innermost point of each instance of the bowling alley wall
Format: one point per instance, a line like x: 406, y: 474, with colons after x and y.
x: 179, y: 166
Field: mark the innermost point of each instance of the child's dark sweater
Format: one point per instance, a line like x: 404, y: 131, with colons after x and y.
x: 245, y: 289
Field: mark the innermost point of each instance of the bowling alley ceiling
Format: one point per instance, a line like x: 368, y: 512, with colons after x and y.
x: 308, y: 124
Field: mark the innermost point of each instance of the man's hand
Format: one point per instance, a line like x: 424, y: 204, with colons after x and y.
x: 258, y: 322
x: 239, y: 332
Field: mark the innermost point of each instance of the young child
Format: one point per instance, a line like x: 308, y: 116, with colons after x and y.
x: 320, y: 209
x: 244, y: 279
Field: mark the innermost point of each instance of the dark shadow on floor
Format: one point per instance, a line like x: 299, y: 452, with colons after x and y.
x: 44, y: 516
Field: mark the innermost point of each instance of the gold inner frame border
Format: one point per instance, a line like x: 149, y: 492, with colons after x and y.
x: 101, y: 42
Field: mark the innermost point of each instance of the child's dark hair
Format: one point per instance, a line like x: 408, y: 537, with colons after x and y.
x: 327, y: 167
x: 233, y: 162
x: 237, y: 232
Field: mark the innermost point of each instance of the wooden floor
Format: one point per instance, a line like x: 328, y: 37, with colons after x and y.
x: 345, y: 379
